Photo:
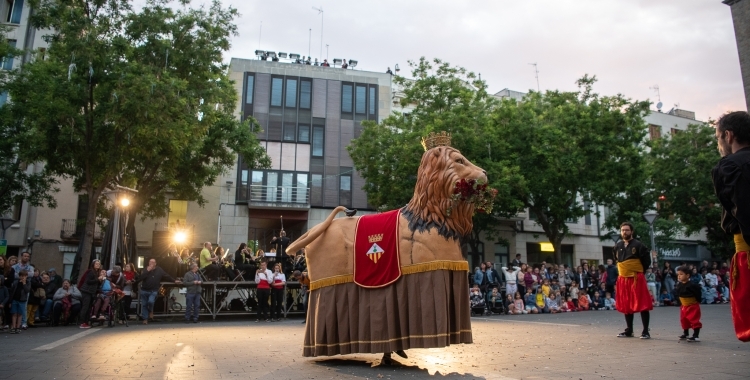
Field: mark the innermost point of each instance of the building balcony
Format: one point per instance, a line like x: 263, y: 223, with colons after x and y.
x: 274, y: 197
x: 72, y: 229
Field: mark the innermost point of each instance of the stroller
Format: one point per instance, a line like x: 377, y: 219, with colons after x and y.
x: 478, y: 305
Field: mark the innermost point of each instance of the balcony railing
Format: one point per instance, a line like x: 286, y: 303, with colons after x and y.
x: 275, y: 196
x: 73, y: 229
x: 173, y: 227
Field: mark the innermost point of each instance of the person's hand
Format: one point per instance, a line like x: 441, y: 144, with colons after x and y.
x: 178, y: 281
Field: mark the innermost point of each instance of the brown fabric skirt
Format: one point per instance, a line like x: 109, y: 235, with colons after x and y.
x: 421, y: 310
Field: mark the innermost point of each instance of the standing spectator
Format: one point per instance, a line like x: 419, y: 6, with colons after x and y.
x: 88, y: 285
x: 50, y: 288
x: 304, y: 282
x: 612, y: 274
x: 67, y: 304
x: 582, y: 279
x: 193, y: 296
x: 55, y: 278
x: 263, y: 279
x: 150, y: 281
x: 19, y: 294
x: 511, y: 279
x: 493, y: 276
x: 4, y: 299
x: 9, y: 276
x: 574, y: 290
x: 128, y: 288
x: 344, y: 64
x: 696, y: 277
x: 659, y: 280
x: 480, y: 278
x: 567, y: 276
x: 529, y: 281
x: 36, y: 297
x: 278, y: 281
x: 24, y: 264
x: 517, y: 261
x: 651, y: 285
x: 520, y: 280
x: 668, y: 275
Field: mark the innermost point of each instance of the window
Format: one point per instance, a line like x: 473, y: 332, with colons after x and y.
x: 289, y: 131
x: 501, y: 256
x: 345, y: 185
x: 15, y: 7
x: 346, y: 98
x: 317, y: 141
x: 305, y: 94
x: 272, y: 181
x: 276, y: 90
x: 3, y: 98
x: 301, y: 189
x: 291, y: 93
x: 8, y: 61
x: 287, y: 187
x: 177, y: 213
x: 371, y: 101
x: 316, y: 189
x: 256, y: 185
x: 675, y: 131
x: 361, y: 99
x: 654, y: 132
x: 304, y: 133
x: 587, y: 217
x: 249, y: 90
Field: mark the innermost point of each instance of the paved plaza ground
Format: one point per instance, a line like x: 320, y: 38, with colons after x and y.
x: 564, y: 346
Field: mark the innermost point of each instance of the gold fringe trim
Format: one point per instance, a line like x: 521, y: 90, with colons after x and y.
x: 407, y: 269
x: 429, y: 336
x: 331, y: 281
x: 435, y: 265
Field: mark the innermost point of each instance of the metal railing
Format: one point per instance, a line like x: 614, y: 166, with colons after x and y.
x: 172, y: 227
x: 275, y: 194
x: 73, y: 229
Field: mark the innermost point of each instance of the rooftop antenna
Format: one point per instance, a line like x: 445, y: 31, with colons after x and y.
x: 260, y: 34
x: 309, y: 41
x: 536, y: 73
x: 658, y: 96
x: 326, y: 52
x: 320, y: 12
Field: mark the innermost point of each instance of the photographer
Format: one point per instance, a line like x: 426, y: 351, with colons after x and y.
x: 264, y: 279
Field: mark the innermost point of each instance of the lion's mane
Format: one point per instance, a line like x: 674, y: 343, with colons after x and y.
x: 428, y: 207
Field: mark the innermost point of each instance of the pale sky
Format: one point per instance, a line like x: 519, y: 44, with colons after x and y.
x: 686, y: 47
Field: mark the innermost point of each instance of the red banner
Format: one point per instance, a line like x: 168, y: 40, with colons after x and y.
x: 376, y: 256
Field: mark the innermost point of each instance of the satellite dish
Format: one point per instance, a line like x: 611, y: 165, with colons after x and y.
x: 658, y: 106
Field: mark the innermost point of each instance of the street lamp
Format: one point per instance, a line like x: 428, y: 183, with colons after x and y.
x: 650, y: 216
x: 120, y: 198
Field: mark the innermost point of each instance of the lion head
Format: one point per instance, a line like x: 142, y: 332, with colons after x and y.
x: 438, y: 172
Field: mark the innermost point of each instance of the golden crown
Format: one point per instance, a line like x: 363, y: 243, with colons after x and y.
x: 436, y: 139
x: 375, y: 238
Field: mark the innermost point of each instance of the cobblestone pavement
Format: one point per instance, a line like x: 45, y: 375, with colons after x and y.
x: 566, y: 346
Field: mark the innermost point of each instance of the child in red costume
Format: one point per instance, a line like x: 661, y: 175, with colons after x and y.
x: 690, y: 299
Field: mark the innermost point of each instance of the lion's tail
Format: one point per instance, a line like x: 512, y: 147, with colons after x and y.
x: 314, y: 232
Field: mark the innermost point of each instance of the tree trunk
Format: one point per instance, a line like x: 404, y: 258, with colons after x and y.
x: 88, y: 236
x: 557, y: 244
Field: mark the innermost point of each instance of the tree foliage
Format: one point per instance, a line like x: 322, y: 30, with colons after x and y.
x: 134, y: 98
x: 17, y: 181
x: 445, y: 98
x: 680, y: 167
x: 572, y: 148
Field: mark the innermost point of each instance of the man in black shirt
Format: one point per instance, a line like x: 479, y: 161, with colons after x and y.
x: 731, y: 178
x: 632, y: 258
x: 150, y: 281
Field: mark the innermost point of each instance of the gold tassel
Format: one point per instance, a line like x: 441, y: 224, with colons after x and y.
x: 435, y: 265
x: 735, y: 273
x: 405, y: 270
x: 331, y: 281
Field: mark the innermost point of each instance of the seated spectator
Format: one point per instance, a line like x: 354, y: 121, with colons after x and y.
x: 666, y: 299
x: 568, y: 305
x: 563, y: 292
x: 103, y: 297
x: 583, y: 302
x: 555, y: 286
x: 709, y: 294
x: 602, y: 288
x: 510, y: 307
x: 541, y: 303
x: 723, y: 290
x: 574, y: 293
x: 495, y: 301
x: 518, y: 305
x: 67, y: 304
x: 50, y: 288
x: 546, y: 288
x: 552, y: 305
x: 609, y: 302
x: 696, y: 277
x: 530, y: 301
x: 597, y: 303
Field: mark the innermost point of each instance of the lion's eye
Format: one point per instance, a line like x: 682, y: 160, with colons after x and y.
x: 460, y: 161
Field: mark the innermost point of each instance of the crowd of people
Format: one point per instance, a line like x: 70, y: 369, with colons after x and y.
x: 29, y: 298
x: 303, y: 61
x: 554, y: 288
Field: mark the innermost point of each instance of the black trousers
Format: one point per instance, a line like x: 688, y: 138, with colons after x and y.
x: 277, y: 299
x: 57, y: 309
x: 87, y: 301
x: 263, y: 295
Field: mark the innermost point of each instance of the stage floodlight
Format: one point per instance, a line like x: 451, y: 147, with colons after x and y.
x: 271, y: 54
x: 282, y: 55
x: 259, y: 52
x: 293, y: 56
x: 337, y: 61
x: 352, y: 63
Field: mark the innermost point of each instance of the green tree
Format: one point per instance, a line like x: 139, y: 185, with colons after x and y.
x: 134, y: 98
x: 445, y: 98
x: 572, y: 148
x: 680, y: 167
x: 17, y: 182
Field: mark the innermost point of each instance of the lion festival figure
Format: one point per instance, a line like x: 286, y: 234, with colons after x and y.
x: 397, y: 280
